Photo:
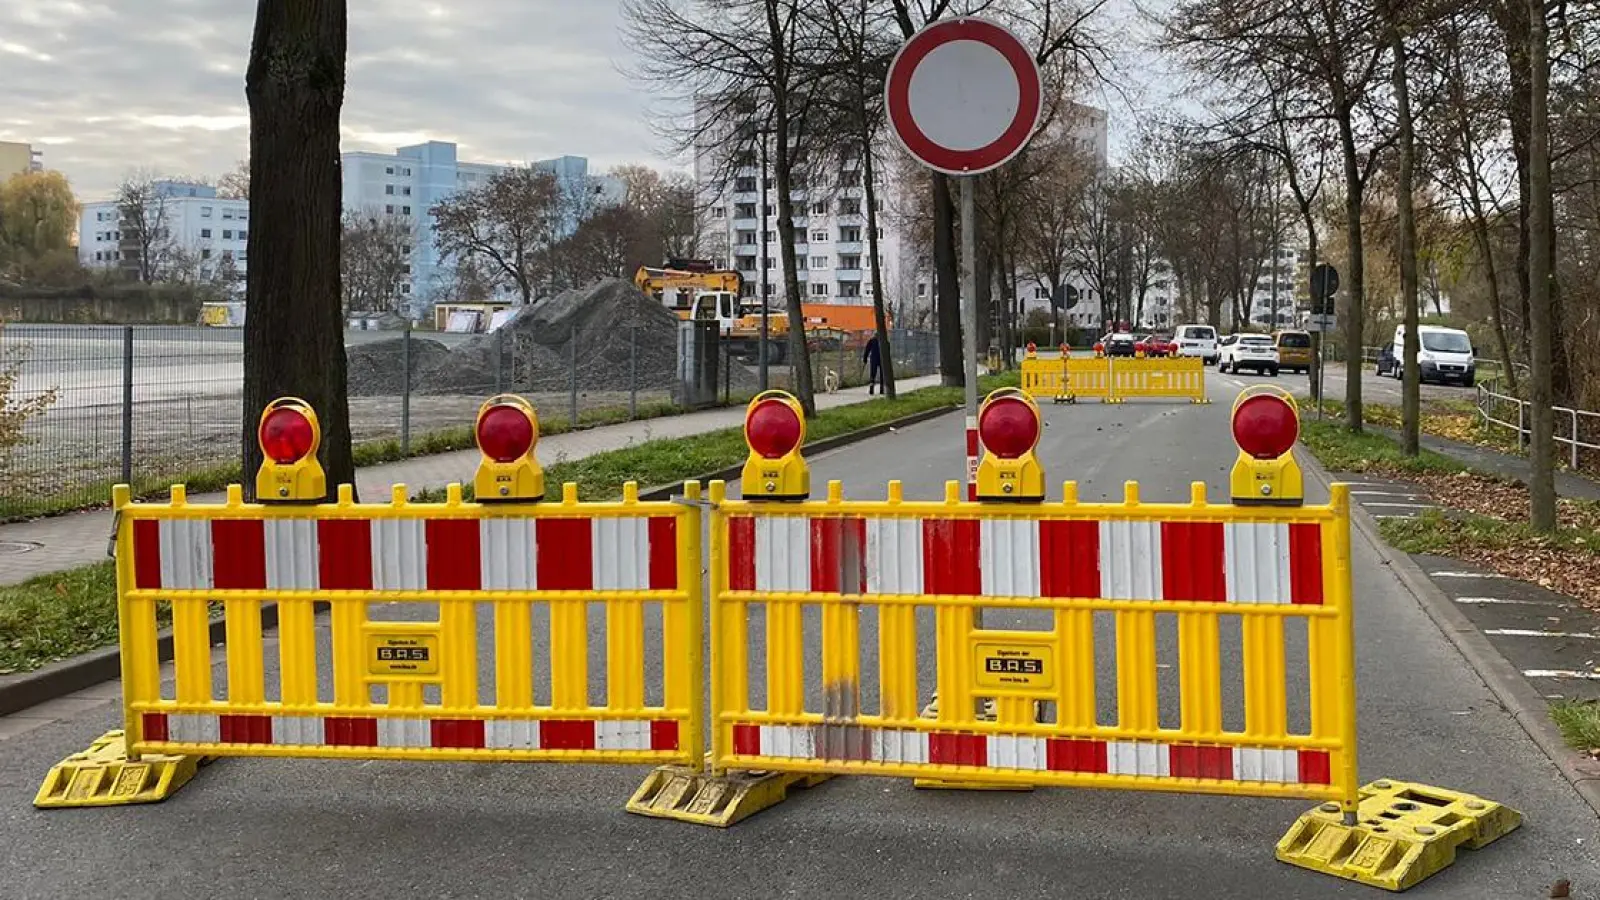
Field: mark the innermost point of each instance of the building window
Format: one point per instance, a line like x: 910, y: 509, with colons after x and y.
x: 744, y: 185
x: 244, y: 235
x: 406, y: 171
x: 1040, y: 292
x: 405, y: 210
x: 206, y: 253
x: 205, y: 232
x: 718, y: 212
x: 747, y: 238
x: 819, y: 237
x: 388, y: 209
x: 850, y: 234
x: 744, y: 211
x: 850, y: 263
x: 849, y: 207
x: 849, y: 288
x: 772, y: 263
x: 388, y: 170
x: 771, y: 236
x: 922, y: 289
x: 819, y: 289
x: 205, y: 212
x: 405, y: 288
x: 389, y: 189
x: 819, y: 262
x: 819, y: 209
x: 227, y: 235
x: 405, y: 192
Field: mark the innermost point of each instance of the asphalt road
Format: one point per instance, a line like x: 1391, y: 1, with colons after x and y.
x: 1374, y: 389
x: 255, y: 828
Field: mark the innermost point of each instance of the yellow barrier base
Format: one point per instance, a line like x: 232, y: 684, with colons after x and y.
x: 931, y: 711
x: 103, y: 776
x: 1405, y: 833
x: 681, y: 793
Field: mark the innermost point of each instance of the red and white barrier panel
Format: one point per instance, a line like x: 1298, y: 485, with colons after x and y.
x: 1219, y: 562
x: 1032, y: 753
x: 411, y: 733
x: 637, y: 553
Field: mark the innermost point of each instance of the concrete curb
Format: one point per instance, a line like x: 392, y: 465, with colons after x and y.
x: 1515, y: 694
x: 19, y: 692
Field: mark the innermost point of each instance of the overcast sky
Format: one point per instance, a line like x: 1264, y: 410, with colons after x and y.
x: 105, y: 87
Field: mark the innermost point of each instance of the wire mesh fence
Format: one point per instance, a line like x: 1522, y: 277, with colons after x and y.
x: 155, y: 405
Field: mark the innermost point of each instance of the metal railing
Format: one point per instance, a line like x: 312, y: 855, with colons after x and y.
x: 1514, y: 413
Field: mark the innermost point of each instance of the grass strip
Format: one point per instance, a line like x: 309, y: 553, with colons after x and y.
x: 1579, y: 721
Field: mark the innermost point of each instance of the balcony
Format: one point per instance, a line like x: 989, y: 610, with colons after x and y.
x: 848, y: 274
x: 751, y: 224
x: 847, y: 248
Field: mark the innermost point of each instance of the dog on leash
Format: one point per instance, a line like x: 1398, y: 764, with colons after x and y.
x: 830, y: 381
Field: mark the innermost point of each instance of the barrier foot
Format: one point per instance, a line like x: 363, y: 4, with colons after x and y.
x: 931, y: 711
x: 1404, y: 833
x: 688, y: 795
x: 104, y: 776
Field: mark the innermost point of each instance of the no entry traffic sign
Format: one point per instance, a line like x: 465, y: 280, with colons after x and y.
x: 964, y: 96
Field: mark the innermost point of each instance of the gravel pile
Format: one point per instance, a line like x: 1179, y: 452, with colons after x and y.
x: 377, y: 368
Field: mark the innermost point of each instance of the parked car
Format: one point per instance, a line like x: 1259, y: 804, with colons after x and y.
x: 1159, y: 345
x: 1248, y: 351
x: 1198, y: 340
x: 1444, y: 355
x: 1294, y: 350
x: 1118, y: 343
x: 1387, y: 363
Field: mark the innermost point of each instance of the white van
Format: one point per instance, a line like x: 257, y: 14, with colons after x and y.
x: 1197, y: 340
x: 1444, y: 354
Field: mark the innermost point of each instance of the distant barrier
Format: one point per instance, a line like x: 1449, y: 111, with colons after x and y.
x: 1114, y: 379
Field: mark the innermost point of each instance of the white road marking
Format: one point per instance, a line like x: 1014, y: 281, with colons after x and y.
x: 1502, y: 601
x: 1393, y: 517
x: 1403, y: 505
x: 1466, y: 575
x: 1523, y: 632
x: 1385, y: 494
x: 1560, y: 673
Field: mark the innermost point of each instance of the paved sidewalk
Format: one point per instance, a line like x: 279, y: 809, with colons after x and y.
x: 64, y: 542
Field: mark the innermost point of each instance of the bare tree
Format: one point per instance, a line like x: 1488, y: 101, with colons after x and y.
x: 145, y: 218
x: 511, y: 224
x: 665, y: 205
x: 1541, y: 312
x: 375, y: 258
x: 235, y: 183
x: 294, y: 334
x: 611, y: 243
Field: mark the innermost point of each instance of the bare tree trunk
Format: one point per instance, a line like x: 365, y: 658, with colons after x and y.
x: 1355, y: 311
x: 293, y: 334
x: 1541, y: 489
x: 880, y: 318
x: 947, y: 284
x: 1480, y: 234
x: 1411, y: 391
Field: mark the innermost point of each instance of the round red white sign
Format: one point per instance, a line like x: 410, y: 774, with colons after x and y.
x: 964, y: 96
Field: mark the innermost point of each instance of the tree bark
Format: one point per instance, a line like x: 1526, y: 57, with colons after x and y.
x: 293, y: 334
x: 1541, y: 489
x: 947, y: 284
x: 880, y: 318
x: 1355, y: 305
x: 1411, y: 370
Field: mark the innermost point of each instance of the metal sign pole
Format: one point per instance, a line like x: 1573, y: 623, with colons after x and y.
x: 969, y: 325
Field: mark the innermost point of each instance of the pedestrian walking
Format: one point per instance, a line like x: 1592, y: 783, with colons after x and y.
x: 873, y: 357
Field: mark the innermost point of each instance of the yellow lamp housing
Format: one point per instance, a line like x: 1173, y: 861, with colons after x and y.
x: 289, y: 435
x: 1009, y: 425
x: 775, y: 430
x: 1266, y: 424
x: 1031, y: 351
x: 507, y: 430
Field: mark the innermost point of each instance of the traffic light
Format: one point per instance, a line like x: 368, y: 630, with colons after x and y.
x: 1266, y: 425
x: 507, y: 431
x: 774, y: 430
x: 289, y: 436
x: 1009, y: 426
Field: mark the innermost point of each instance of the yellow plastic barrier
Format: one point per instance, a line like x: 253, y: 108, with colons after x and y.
x: 1115, y: 379
x: 1165, y: 377
x: 1213, y: 570
x: 406, y: 584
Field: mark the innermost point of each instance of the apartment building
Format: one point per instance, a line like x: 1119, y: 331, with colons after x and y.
x: 1273, y: 302
x: 185, y: 219
x: 17, y: 158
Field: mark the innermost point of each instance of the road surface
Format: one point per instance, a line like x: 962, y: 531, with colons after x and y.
x: 253, y: 828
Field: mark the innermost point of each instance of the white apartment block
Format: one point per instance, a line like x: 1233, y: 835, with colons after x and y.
x: 191, y: 219
x: 1273, y: 303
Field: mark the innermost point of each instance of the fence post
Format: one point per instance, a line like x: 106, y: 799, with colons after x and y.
x: 127, y: 404
x: 405, y: 393
x: 633, y: 372
x: 572, y: 379
x: 1574, y: 412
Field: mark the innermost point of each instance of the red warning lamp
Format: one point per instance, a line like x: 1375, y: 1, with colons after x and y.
x: 1099, y: 349
x: 775, y: 430
x: 1266, y: 425
x: 286, y: 435
x: 507, y: 430
x: 289, y: 435
x: 1009, y: 427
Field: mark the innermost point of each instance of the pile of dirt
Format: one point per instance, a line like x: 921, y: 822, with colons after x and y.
x: 378, y: 368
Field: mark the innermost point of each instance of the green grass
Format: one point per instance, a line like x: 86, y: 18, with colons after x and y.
x: 56, y: 616
x: 1579, y: 721
x: 1340, y: 450
x: 1436, y: 533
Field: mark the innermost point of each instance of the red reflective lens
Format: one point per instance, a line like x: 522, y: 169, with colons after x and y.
x: 286, y: 435
x: 1008, y: 427
x: 1265, y: 427
x: 504, y: 433
x: 772, y: 428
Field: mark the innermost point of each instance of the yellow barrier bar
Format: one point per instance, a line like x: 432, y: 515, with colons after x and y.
x: 682, y: 671
x: 730, y: 660
x: 1336, y: 566
x: 513, y: 655
x: 136, y: 628
x: 625, y: 641
x: 1136, y: 671
x: 191, y: 649
x: 841, y: 640
x: 1265, y: 712
x: 1199, y: 675
x: 897, y: 649
x: 785, y: 658
x: 297, y: 651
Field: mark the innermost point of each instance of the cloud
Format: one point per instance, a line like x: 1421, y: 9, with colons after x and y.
x: 107, y: 87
